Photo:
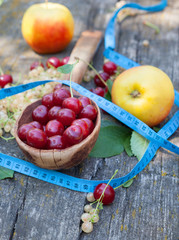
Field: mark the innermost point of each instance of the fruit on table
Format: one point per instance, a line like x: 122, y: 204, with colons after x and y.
x: 36, y: 64
x: 146, y: 92
x: 105, y: 76
x: 59, y: 126
x: 98, y: 91
x: 53, y: 62
x: 5, y: 79
x: 109, y: 193
x: 47, y: 27
x: 109, y: 67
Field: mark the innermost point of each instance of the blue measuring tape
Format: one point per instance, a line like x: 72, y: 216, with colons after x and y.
x: 156, y: 139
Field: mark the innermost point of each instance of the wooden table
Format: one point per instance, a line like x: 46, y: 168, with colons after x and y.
x: 31, y: 209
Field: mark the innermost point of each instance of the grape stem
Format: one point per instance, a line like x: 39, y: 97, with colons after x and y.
x: 102, y: 80
x: 7, y: 139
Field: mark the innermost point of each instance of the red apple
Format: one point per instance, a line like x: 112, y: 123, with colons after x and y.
x: 48, y: 27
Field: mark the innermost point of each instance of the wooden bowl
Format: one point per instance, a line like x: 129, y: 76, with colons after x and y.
x: 56, y: 159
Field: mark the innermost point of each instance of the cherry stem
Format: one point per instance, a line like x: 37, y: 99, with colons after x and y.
x: 151, y: 25
x: 102, y: 195
x: 102, y: 80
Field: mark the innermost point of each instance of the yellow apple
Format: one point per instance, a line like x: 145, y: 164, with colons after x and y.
x: 47, y: 27
x: 146, y: 92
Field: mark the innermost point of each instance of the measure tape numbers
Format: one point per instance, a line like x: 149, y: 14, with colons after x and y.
x: 84, y: 185
x: 114, y: 110
x: 156, y: 139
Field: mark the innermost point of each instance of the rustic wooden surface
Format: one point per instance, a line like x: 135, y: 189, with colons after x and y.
x: 31, y: 209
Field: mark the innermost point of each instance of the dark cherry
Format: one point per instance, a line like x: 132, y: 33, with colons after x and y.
x: 23, y: 130
x: 66, y: 116
x: 109, y: 67
x: 98, y: 91
x: 53, y: 128
x: 5, y: 79
x: 84, y: 101
x: 59, y: 95
x: 73, y: 104
x: 36, y: 64
x: 52, y: 113
x: 53, y: 62
x: 83, y: 125
x: 58, y: 86
x: 40, y: 114
x: 36, y: 124
x: 47, y: 100
x: 36, y: 138
x: 105, y: 76
x: 89, y: 123
x: 109, y: 193
x: 88, y: 112
x: 65, y: 60
x: 73, y: 135
x: 55, y: 142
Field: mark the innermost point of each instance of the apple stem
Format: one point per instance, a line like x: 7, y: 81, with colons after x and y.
x: 135, y: 94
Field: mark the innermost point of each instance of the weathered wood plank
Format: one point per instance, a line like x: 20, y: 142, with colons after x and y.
x: 32, y: 209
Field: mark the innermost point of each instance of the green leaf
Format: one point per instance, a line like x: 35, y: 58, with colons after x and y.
x: 109, y: 83
x: 128, y: 183
x: 108, y: 96
x: 110, y: 141
x: 6, y: 173
x: 65, y: 69
x: 127, y: 146
x: 139, y: 144
x: 106, y: 123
